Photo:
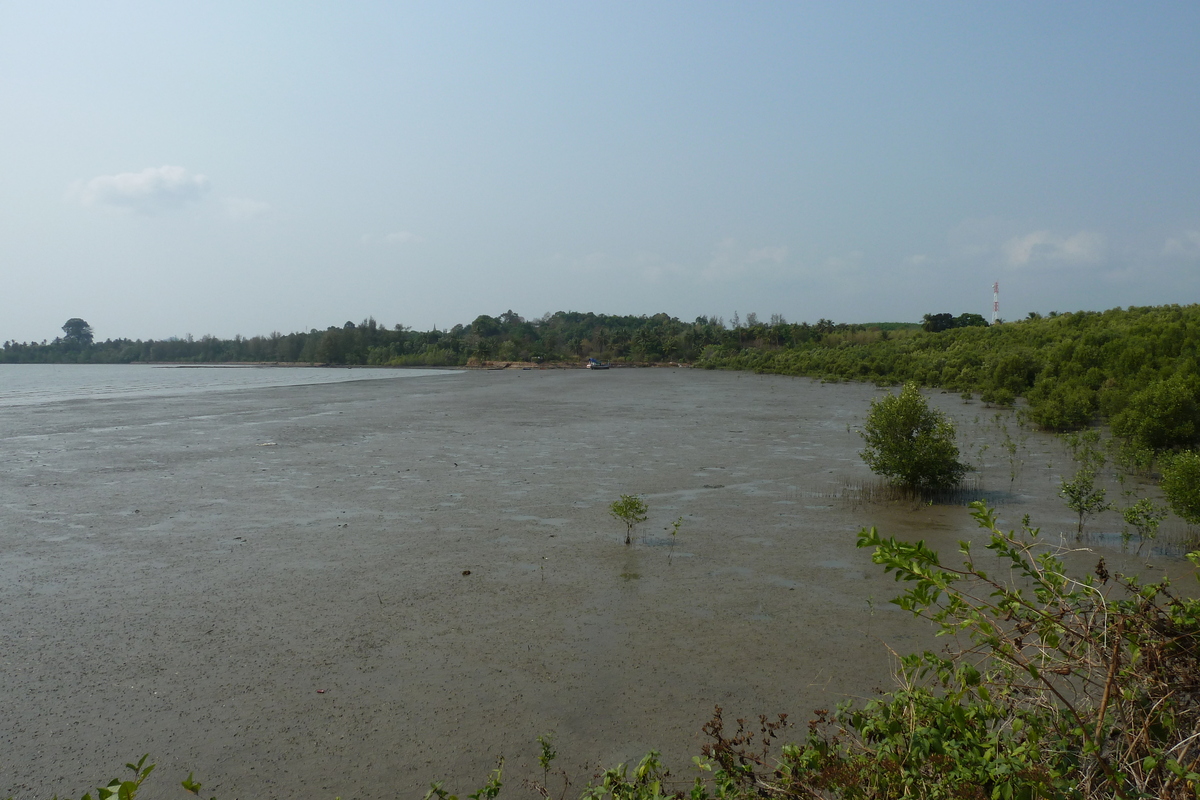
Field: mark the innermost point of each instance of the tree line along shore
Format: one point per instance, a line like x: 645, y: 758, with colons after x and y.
x: 553, y: 338
x: 1136, y: 368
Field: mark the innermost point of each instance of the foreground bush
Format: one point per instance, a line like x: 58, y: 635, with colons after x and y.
x: 1053, y: 687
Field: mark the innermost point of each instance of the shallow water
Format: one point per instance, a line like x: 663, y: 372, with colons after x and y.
x: 34, y: 384
x: 267, y: 586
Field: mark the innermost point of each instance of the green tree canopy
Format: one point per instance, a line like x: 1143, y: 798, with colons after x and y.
x: 933, y: 323
x: 1163, y: 415
x: 909, y: 443
x: 78, y: 331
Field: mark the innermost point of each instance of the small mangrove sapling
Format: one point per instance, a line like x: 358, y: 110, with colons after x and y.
x: 674, y: 530
x: 1083, y: 496
x: 1144, y: 516
x: 631, y: 510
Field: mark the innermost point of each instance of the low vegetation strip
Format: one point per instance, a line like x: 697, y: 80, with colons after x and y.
x: 1135, y: 367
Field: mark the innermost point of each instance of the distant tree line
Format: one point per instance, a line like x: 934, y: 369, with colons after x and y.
x: 565, y: 336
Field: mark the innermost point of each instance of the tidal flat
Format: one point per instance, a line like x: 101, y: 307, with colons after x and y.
x: 354, y: 589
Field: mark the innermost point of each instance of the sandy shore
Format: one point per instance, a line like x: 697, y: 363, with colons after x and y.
x: 267, y: 587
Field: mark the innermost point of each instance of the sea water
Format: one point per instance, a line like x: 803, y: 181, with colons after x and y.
x: 35, y: 384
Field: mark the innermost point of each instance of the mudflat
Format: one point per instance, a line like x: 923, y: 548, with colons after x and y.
x: 270, y: 587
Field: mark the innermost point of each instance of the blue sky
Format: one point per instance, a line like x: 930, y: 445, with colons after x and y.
x: 230, y: 168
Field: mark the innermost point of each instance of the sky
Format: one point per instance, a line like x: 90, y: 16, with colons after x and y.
x: 240, y: 168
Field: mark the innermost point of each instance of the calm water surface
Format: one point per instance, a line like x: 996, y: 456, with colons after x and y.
x: 34, y: 384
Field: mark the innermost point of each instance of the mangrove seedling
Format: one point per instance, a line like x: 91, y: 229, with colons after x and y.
x: 1083, y: 496
x: 1144, y: 516
x: 674, y: 530
x: 631, y: 510
x: 545, y: 759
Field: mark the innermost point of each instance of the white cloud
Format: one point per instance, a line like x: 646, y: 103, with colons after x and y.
x: 918, y: 260
x: 1043, y: 248
x: 243, y: 208
x: 153, y: 189
x: 730, y: 260
x: 1186, y: 245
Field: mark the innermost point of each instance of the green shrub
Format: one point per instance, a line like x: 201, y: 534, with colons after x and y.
x: 1065, y: 407
x: 1181, y: 485
x: 1163, y: 415
x: 998, y: 396
x: 909, y: 443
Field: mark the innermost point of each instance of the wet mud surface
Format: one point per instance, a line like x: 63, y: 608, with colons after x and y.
x: 268, y: 587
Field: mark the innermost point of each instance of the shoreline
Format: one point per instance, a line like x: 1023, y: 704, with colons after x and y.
x: 487, y: 365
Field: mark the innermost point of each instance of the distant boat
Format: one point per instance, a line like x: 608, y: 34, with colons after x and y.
x: 594, y: 364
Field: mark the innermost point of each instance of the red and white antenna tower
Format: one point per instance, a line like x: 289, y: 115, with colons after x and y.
x: 995, y: 302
